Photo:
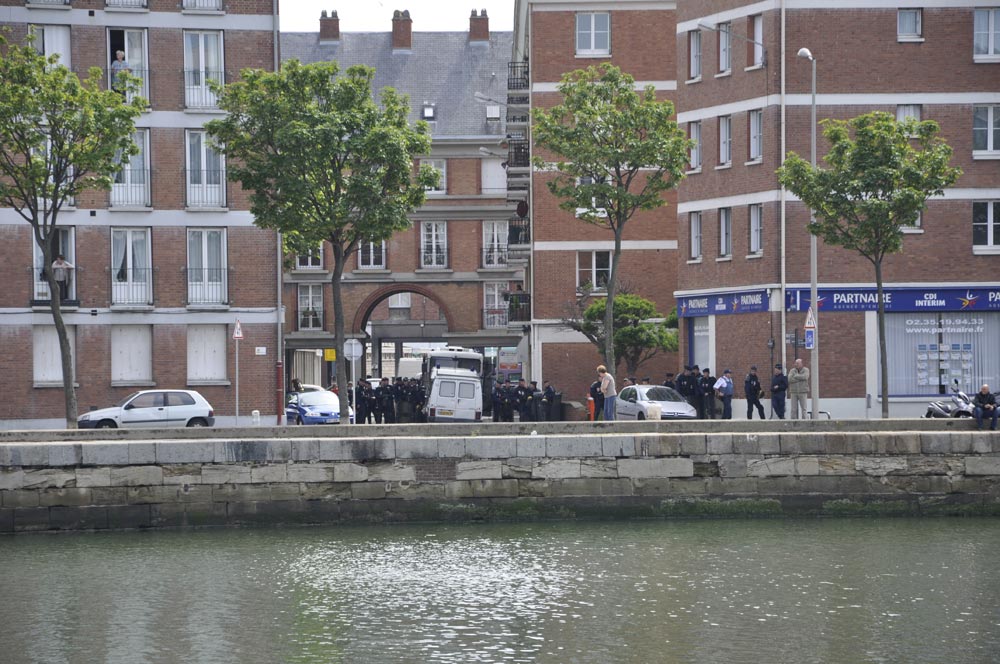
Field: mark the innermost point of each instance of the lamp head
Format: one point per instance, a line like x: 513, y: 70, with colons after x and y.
x: 805, y: 53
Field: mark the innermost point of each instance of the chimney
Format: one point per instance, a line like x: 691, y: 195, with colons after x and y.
x: 402, y: 30
x: 479, y: 27
x: 329, y: 27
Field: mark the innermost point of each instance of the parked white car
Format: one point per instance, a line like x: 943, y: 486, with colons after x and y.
x: 633, y: 403
x: 152, y: 409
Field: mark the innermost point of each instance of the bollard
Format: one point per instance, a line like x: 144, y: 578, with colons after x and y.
x: 255, y: 417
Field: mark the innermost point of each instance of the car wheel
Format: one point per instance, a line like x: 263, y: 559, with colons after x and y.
x: 107, y: 424
x: 197, y: 422
x: 640, y: 416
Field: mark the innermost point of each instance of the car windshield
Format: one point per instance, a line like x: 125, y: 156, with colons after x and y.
x: 662, y: 394
x: 323, y: 398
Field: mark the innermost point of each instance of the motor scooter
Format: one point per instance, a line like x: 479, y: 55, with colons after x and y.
x: 960, y: 406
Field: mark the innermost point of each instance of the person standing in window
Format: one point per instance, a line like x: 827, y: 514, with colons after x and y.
x: 62, y: 271
x: 118, y: 67
x: 609, y: 392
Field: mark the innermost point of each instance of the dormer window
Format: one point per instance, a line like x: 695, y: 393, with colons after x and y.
x: 428, y: 112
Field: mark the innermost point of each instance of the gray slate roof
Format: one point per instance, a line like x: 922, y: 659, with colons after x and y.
x: 442, y: 68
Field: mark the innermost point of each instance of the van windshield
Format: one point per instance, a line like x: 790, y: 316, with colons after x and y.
x: 467, y: 363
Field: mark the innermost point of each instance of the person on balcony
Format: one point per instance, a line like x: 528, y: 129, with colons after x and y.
x: 118, y: 67
x: 62, y: 271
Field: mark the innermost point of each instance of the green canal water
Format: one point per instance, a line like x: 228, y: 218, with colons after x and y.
x: 843, y: 591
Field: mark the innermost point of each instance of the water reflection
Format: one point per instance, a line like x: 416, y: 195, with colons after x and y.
x: 702, y: 591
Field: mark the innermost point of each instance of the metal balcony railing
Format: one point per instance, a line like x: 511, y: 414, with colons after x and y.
x: 517, y: 99
x: 494, y: 317
x: 518, y: 154
x: 310, y: 319
x: 519, y: 307
x: 434, y: 257
x: 518, y: 231
x: 208, y: 285
x: 40, y: 293
x: 206, y: 188
x: 132, y: 286
x: 197, y: 93
x: 516, y: 118
x: 59, y: 3
x: 131, y: 188
x: 495, y: 256
x: 203, y: 5
x: 517, y: 76
x: 131, y: 4
x: 141, y: 91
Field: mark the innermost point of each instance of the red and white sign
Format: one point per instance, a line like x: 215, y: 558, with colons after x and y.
x: 237, y: 331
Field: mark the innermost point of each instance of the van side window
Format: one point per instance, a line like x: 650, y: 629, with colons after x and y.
x: 447, y: 388
x: 466, y: 391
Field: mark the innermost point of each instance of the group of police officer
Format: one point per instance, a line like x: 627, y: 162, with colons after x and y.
x: 507, y: 398
x: 697, y: 386
x: 400, y: 401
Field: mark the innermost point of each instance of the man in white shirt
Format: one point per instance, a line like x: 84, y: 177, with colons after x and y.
x: 609, y: 392
x: 724, y: 388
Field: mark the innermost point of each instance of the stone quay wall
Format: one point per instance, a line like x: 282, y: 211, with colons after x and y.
x: 126, y: 484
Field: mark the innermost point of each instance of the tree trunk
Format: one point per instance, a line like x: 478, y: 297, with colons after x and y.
x: 882, y: 357
x: 339, y: 258
x: 65, y: 350
x: 609, y: 306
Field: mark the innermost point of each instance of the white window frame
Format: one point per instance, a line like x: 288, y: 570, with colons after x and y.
x: 138, y: 61
x: 131, y: 272
x: 401, y: 300
x: 197, y: 73
x: 494, y: 305
x: 206, y: 187
x: 725, y: 140
x: 905, y: 35
x: 756, y: 246
x: 311, y: 260
x: 309, y: 298
x: 52, y: 40
x: 694, y: 55
x: 130, y: 187
x: 596, y: 211
x: 755, y: 120
x: 589, y: 48
x: 992, y: 129
x: 725, y: 48
x: 441, y: 166
x: 433, y: 245
x: 592, y: 270
x: 47, y: 358
x: 725, y: 232
x: 694, y: 226
x: 992, y: 245
x: 907, y: 111
x: 694, y: 133
x: 64, y: 240
x: 374, y: 250
x: 207, y: 284
x: 131, y: 355
x: 987, y: 18
x: 495, y: 236
x: 757, y: 34
x: 207, y: 354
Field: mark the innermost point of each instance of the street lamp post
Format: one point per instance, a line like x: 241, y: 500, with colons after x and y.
x: 813, y: 294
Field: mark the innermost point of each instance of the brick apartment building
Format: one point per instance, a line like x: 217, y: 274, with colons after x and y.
x: 449, y: 277
x: 552, y: 38
x: 169, y: 259
x: 743, y: 274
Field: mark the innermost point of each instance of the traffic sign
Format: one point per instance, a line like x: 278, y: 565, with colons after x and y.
x: 352, y: 349
x: 810, y: 339
x: 237, y: 331
x: 810, y: 320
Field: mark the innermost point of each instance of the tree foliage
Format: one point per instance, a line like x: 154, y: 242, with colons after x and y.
x: 617, y: 151
x: 323, y: 162
x: 59, y: 136
x: 877, y: 178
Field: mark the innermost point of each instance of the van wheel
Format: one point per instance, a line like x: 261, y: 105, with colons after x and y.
x: 197, y: 422
x: 641, y: 416
x: 107, y: 424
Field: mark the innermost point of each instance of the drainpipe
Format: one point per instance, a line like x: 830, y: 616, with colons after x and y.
x: 279, y: 320
x: 784, y: 322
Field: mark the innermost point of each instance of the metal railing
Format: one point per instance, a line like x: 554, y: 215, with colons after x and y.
x: 197, y: 93
x: 206, y: 188
x: 40, y: 292
x: 519, y: 307
x: 495, y: 256
x: 141, y: 91
x: 203, y: 5
x: 310, y: 319
x: 207, y: 285
x: 132, y: 285
x: 434, y: 257
x: 518, y: 154
x: 48, y: 2
x: 518, y: 231
x: 131, y: 4
x: 494, y: 317
x: 517, y: 76
x: 131, y: 188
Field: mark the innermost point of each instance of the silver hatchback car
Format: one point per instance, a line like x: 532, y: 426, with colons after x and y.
x: 152, y: 409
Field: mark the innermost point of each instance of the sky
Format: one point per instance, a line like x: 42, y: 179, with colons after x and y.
x: 376, y: 15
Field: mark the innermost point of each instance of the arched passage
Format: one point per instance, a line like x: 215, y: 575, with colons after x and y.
x: 364, y: 311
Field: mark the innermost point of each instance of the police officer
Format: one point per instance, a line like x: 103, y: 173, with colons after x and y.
x: 548, y: 400
x: 508, y: 401
x: 694, y: 382
x: 779, y: 386
x: 706, y: 385
x: 386, y: 402
x: 598, y: 397
x: 496, y: 397
x: 419, y: 400
x: 523, y: 400
x: 754, y: 391
x: 360, y: 404
x: 670, y: 382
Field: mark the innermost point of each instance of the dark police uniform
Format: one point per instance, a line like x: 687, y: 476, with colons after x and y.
x: 548, y: 399
x: 361, y: 404
x: 706, y: 384
x: 496, y: 396
x: 523, y: 401
x: 779, y: 386
x: 751, y: 385
x: 386, y: 403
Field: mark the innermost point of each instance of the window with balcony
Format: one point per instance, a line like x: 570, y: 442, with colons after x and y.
x: 694, y: 224
x: 131, y: 354
x: 593, y: 33
x: 433, y: 244
x: 53, y: 40
x: 755, y: 48
x: 47, y: 358
x: 310, y: 306
x: 986, y: 35
x: 203, y: 5
x: 694, y: 133
x: 131, y: 267
x: 206, y: 353
x: 986, y: 132
x: 206, y: 174
x: 593, y: 270
x: 986, y: 227
x: 725, y: 233
x: 725, y: 48
x: 203, y: 64
x: 756, y: 229
x: 908, y: 25
x: 495, y: 235
x: 494, y: 304
x: 311, y: 260
x: 725, y: 140
x: 61, y: 243
x: 128, y: 55
x: 126, y: 4
x: 130, y: 186
x: 207, y: 270
x: 756, y: 135
x: 694, y: 55
x: 371, y: 256
x: 441, y: 166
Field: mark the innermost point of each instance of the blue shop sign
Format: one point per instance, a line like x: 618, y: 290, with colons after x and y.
x: 747, y: 302
x: 897, y: 299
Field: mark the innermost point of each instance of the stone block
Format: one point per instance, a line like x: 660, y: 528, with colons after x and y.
x: 665, y: 467
x: 90, y: 477
x: 789, y: 484
x: 531, y: 446
x: 453, y: 448
x: 416, y: 491
x: 11, y: 479
x: 920, y: 465
x: 6, y: 520
x: 225, y: 474
x: 310, y: 472
x: 276, y: 472
x: 31, y: 519
x: 348, y: 449
x: 620, y: 446
x: 5, y: 458
x: 665, y: 444
x: 105, y: 454
x: 735, y: 465
x: 325, y: 491
x: 556, y: 469
x: 859, y: 443
x: 389, y: 472
x: 78, y: 518
x: 185, y: 451
x: 772, y: 466
x: 652, y: 486
x: 647, y: 444
x: 141, y: 453
x: 146, y: 495
x: 479, y: 470
x: 240, y: 493
x: 573, y: 446
x: 688, y: 486
x: 935, y: 442
x: 534, y: 488
x: 518, y: 468
x: 106, y: 495
x: 184, y: 473
x: 28, y: 454
x: 979, y: 465
x: 49, y: 477
x: 590, y: 486
x: 136, y: 476
x: 493, y: 447
x: 458, y: 490
x: 350, y: 472
x: 494, y: 488
x: 803, y: 443
x: 962, y: 442
x: 896, y: 443
x: 129, y: 516
x: 65, y: 454
x: 253, y: 451
x: 67, y: 497
x: 720, y: 443
x: 416, y: 448
x: 305, y: 449
x: 19, y: 498
x: 598, y: 468
x: 731, y: 486
x: 285, y: 491
x: 837, y: 465
x: 368, y: 490
x: 807, y: 465
x: 692, y: 443
x: 982, y: 442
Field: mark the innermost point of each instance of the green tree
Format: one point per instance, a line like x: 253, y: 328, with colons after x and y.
x: 58, y: 137
x: 323, y: 162
x: 879, y: 174
x: 640, y: 331
x: 617, y: 149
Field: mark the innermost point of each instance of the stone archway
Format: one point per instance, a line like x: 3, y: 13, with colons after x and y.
x: 368, y: 305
